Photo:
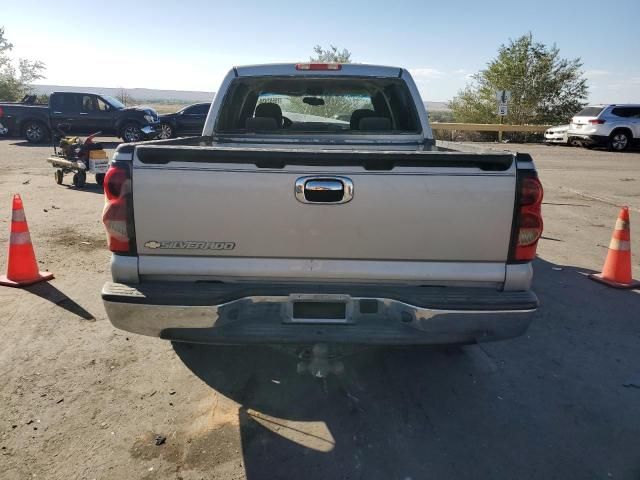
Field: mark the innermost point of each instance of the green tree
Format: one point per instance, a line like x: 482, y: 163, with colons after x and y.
x: 330, y: 55
x: 334, y: 106
x: 443, y: 116
x: 545, y: 88
x: 15, y: 83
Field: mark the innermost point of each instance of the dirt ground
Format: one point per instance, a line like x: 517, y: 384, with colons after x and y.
x: 82, y: 400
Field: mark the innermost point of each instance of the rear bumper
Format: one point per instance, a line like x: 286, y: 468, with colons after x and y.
x: 589, y: 139
x: 555, y: 137
x: 264, y: 313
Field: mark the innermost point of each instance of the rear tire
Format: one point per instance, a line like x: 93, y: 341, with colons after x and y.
x: 100, y: 178
x: 35, y: 131
x: 619, y: 140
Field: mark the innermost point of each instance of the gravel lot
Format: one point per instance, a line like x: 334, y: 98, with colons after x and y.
x: 80, y: 399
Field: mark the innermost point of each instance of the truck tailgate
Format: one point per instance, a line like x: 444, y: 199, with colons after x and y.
x: 411, y: 209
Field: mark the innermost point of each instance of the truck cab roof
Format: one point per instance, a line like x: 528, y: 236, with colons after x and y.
x: 605, y: 105
x: 79, y: 92
x: 318, y: 69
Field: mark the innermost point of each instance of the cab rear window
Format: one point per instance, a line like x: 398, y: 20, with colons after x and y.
x: 290, y: 105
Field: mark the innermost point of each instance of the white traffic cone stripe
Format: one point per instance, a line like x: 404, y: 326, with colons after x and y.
x: 620, y: 245
x: 621, y: 225
x: 20, y: 238
x: 18, y: 216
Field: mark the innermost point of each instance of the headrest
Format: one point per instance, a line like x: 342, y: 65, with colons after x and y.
x: 375, y: 123
x: 357, y: 115
x: 260, y: 124
x: 272, y: 110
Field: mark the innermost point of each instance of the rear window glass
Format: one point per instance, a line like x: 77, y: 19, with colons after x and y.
x: 589, y: 112
x: 197, y: 109
x: 331, y: 105
x: 64, y: 102
x: 627, y: 112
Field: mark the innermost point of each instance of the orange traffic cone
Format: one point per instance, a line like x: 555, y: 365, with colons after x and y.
x: 22, y: 268
x: 617, y: 267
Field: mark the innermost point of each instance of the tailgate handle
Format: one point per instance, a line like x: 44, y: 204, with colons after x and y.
x: 324, y: 190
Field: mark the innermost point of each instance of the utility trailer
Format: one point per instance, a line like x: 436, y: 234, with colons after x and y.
x: 97, y: 166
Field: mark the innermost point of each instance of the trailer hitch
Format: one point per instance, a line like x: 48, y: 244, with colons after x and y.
x: 319, y: 362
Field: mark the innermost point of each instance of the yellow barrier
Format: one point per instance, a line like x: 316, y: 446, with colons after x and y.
x: 489, y: 127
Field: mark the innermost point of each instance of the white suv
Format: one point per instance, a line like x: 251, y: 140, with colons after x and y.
x: 614, y: 126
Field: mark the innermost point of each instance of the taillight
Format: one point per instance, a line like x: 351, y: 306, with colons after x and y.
x: 530, y: 191
x: 597, y: 121
x: 117, y: 215
x: 318, y: 66
x: 1, y: 112
x: 528, y: 220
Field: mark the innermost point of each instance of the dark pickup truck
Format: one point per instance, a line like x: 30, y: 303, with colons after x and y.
x: 78, y: 113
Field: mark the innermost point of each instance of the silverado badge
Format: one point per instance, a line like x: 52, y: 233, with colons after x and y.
x: 189, y: 245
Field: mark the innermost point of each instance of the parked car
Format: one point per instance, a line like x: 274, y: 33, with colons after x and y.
x: 614, y: 126
x: 77, y: 114
x: 557, y: 135
x: 188, y: 121
x: 291, y: 226
x: 3, y: 130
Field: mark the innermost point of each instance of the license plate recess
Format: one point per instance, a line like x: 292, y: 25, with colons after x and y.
x: 319, y: 309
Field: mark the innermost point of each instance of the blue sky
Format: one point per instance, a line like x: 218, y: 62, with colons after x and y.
x: 190, y: 45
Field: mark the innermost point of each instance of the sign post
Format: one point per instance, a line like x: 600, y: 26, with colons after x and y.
x: 503, y: 97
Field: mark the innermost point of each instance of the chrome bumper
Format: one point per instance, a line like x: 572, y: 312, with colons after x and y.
x: 403, y: 316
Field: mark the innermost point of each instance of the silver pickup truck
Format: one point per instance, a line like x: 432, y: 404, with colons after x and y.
x: 316, y: 208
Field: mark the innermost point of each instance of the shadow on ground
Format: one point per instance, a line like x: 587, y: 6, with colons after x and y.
x: 18, y: 142
x: 90, y: 186
x: 21, y: 142
x: 48, y: 292
x: 550, y: 404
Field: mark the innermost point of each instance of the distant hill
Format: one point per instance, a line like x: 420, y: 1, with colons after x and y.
x: 436, y: 106
x: 139, y: 94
